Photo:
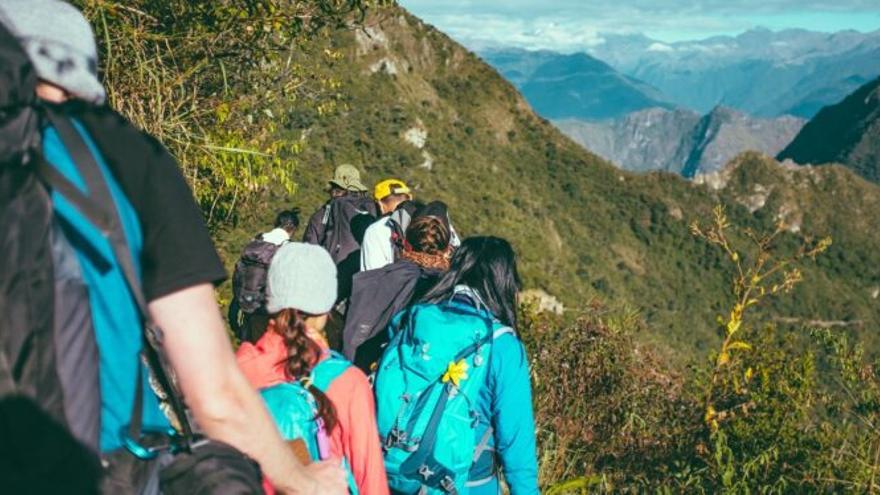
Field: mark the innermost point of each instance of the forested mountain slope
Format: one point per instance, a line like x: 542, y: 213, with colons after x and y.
x: 847, y: 132
x: 260, y: 117
x: 582, y: 227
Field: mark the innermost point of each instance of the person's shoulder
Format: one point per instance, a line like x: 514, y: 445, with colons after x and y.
x: 112, y: 128
x: 377, y: 227
x: 350, y: 382
x: 507, y: 345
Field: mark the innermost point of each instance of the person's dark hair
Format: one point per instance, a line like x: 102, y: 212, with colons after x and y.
x: 303, y: 354
x: 427, y: 235
x: 338, y: 192
x: 488, y: 266
x: 287, y: 219
x: 410, y: 206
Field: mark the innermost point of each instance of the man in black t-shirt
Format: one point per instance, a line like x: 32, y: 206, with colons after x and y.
x: 180, y: 267
x: 178, y: 261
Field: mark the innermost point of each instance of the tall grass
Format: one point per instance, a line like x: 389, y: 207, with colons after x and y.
x: 169, y: 66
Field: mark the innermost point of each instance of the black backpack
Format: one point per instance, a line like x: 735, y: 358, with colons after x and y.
x: 339, y: 240
x: 45, y: 349
x: 249, y: 278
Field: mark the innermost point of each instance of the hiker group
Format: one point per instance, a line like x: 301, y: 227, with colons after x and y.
x: 378, y: 355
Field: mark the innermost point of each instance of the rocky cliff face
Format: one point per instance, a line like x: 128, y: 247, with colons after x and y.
x: 652, y: 139
x: 846, y: 133
x: 681, y: 141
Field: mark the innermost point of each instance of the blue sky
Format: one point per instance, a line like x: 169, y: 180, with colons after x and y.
x: 569, y: 25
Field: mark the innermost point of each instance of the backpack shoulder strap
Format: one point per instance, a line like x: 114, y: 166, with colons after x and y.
x: 328, y: 370
x: 99, y: 207
x: 502, y: 331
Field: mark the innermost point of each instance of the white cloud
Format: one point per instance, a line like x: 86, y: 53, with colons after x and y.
x: 575, y: 25
x: 480, y: 31
x: 660, y: 47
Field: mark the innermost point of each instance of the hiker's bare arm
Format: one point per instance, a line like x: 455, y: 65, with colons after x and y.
x: 224, y: 404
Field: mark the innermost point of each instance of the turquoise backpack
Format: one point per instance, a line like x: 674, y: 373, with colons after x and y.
x: 294, y: 409
x: 427, y: 386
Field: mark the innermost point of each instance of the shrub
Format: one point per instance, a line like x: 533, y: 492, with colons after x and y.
x: 211, y: 80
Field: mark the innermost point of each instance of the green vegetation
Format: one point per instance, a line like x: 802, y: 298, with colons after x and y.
x: 306, y: 96
x: 771, y: 411
x: 260, y: 99
x: 210, y: 79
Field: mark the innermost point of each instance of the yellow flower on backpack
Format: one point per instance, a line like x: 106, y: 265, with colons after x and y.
x: 456, y: 372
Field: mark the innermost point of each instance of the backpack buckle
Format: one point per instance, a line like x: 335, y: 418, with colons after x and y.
x: 413, y: 445
x: 426, y: 472
x: 478, y: 359
x: 395, y: 437
x: 448, y: 485
x: 475, y: 419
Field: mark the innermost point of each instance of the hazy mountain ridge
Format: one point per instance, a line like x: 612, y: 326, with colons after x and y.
x: 681, y: 141
x: 846, y: 133
x: 761, y: 72
x: 573, y: 86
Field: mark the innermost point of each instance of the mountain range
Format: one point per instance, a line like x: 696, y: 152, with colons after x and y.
x: 681, y: 141
x: 760, y: 72
x: 582, y: 228
x: 846, y: 133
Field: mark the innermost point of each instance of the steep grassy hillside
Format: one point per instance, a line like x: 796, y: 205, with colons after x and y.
x: 582, y: 227
x: 260, y: 99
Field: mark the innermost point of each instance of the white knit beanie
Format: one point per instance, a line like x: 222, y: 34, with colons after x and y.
x: 60, y: 43
x: 301, y: 276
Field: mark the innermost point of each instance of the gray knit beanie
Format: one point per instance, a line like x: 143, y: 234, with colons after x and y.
x: 301, y: 276
x: 59, y: 41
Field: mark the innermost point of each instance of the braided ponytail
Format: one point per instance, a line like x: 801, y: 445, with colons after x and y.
x: 303, y: 354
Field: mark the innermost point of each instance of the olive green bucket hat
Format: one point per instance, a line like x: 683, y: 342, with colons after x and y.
x: 349, y: 178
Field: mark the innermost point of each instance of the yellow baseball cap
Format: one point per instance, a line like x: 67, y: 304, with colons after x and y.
x: 390, y: 186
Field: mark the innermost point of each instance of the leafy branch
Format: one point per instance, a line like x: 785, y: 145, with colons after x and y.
x: 759, y: 274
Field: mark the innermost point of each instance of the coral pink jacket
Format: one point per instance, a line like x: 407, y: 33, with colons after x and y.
x: 355, y: 437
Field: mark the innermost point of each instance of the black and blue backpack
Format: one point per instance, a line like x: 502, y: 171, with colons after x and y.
x: 45, y: 427
x: 50, y: 394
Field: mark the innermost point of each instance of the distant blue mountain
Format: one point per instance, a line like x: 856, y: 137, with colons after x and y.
x: 760, y: 72
x: 575, y: 86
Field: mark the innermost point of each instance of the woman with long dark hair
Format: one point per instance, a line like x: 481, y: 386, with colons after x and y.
x: 453, y: 390
x: 301, y: 291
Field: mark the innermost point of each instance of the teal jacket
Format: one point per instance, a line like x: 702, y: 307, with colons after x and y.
x: 506, y: 433
x: 507, y: 401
